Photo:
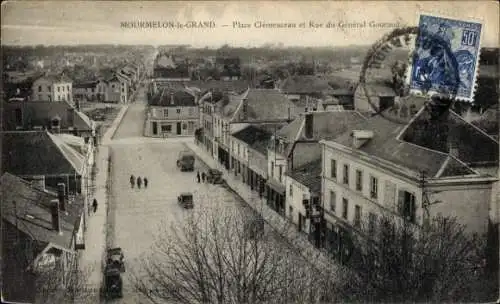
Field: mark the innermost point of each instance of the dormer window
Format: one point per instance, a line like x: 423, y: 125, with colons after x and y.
x: 55, y: 122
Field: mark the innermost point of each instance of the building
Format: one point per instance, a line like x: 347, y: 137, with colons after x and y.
x: 86, y: 91
x: 304, y: 88
x: 172, y: 113
x: 40, y: 155
x: 42, y: 230
x: 303, y: 193
x: 117, y: 89
x: 374, y: 97
x: 60, y: 117
x: 297, y: 144
x: 249, y: 153
x: 52, y: 88
x: 166, y: 68
x: 409, y: 171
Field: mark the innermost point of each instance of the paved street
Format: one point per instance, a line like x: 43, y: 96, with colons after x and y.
x: 136, y: 213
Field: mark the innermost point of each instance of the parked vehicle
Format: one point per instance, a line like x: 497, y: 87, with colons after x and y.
x: 214, y: 176
x: 185, y: 161
x: 186, y: 200
x: 113, y: 282
x: 115, y: 258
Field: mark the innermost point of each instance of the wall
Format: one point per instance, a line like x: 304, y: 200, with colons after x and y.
x: 46, y: 93
x: 258, y: 162
x: 278, y: 159
x: 158, y: 113
x: 387, y: 189
x: 294, y: 199
x: 304, y: 153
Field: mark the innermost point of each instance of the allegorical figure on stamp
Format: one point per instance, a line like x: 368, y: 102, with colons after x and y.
x: 446, y: 52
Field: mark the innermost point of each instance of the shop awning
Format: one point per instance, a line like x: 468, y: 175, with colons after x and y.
x: 276, y: 186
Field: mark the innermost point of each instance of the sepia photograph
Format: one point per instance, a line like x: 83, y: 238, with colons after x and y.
x: 250, y: 152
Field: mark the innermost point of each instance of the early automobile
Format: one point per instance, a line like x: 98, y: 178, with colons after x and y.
x: 115, y: 258
x: 186, y: 200
x: 214, y: 176
x: 113, y: 282
x: 185, y: 161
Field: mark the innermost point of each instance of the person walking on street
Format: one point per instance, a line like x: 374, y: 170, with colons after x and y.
x: 203, y: 176
x: 139, y: 182
x: 132, y: 181
x: 198, y: 176
x: 94, y: 205
x: 145, y: 182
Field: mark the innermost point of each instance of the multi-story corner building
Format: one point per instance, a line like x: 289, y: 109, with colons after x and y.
x: 52, y: 88
x: 172, y: 113
x: 409, y: 171
x: 297, y: 144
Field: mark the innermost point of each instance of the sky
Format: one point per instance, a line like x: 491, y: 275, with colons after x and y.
x: 100, y: 22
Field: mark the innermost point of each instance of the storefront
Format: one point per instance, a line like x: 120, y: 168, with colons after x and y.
x: 276, y: 196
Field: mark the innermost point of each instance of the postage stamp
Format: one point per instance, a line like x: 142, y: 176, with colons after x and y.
x: 446, y: 58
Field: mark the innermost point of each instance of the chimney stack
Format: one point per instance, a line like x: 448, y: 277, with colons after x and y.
x: 61, y: 196
x: 54, y: 210
x: 309, y: 125
x: 38, y: 182
x: 71, y: 116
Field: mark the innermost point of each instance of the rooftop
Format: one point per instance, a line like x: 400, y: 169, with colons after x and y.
x: 173, y: 98
x: 305, y: 84
x: 257, y: 136
x: 309, y: 175
x: 39, y: 153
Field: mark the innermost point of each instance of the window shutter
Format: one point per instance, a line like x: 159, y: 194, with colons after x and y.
x: 401, y: 200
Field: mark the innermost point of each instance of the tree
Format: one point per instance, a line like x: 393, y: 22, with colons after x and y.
x: 439, y: 262
x: 211, y: 258
x: 58, y: 286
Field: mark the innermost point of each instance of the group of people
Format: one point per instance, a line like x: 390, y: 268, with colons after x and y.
x: 201, y: 177
x: 139, y: 181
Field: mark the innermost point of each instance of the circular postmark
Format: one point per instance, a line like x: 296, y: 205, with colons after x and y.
x: 422, y: 40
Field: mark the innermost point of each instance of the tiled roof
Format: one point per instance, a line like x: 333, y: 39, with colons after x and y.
x: 173, y: 98
x: 33, y: 212
x: 386, y: 146
x: 266, y: 105
x: 38, y: 153
x: 55, y: 78
x: 309, y: 175
x: 475, y: 147
x: 40, y: 113
x: 257, y: 136
x: 85, y: 85
x: 305, y: 84
x: 237, y: 86
x: 228, y: 105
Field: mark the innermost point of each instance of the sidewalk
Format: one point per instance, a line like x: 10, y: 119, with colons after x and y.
x: 282, y: 225
x: 91, y: 259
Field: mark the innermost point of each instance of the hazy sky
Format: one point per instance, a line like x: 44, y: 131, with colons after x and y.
x: 78, y: 22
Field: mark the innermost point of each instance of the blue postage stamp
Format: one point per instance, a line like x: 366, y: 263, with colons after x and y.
x: 446, y: 58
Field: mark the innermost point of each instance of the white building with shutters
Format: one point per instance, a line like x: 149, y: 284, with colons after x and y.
x: 372, y: 171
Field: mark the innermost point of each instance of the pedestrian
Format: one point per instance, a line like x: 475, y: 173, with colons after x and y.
x: 139, y: 182
x: 94, y: 205
x: 132, y: 181
x: 203, y: 176
x: 145, y: 182
x: 198, y: 176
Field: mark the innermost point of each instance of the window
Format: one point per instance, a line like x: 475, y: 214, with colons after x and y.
x: 333, y: 168
x: 70, y: 98
x: 272, y: 169
x: 40, y: 97
x: 357, y: 216
x: 166, y: 128
x: 359, y: 180
x: 232, y: 144
x: 58, y: 89
x: 178, y: 111
x: 238, y: 145
x: 373, y: 187
x: 291, y: 190
x: 345, y: 206
x: 58, y: 97
x: 19, y: 116
x: 67, y: 87
x: 113, y: 86
x: 123, y: 90
x: 49, y: 88
x: 290, y: 211
x: 345, y: 178
x: 39, y: 88
x: 191, y: 111
x: 406, y: 205
x: 165, y: 112
x: 281, y: 173
x: 333, y: 201
x: 372, y: 223
x: 184, y: 126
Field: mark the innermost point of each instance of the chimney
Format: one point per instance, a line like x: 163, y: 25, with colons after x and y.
x: 71, y: 116
x: 453, y: 148
x: 38, y: 182
x: 61, y: 196
x: 360, y: 137
x: 54, y: 211
x: 309, y: 125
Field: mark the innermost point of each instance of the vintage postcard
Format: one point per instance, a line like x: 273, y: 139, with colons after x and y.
x: 250, y: 152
